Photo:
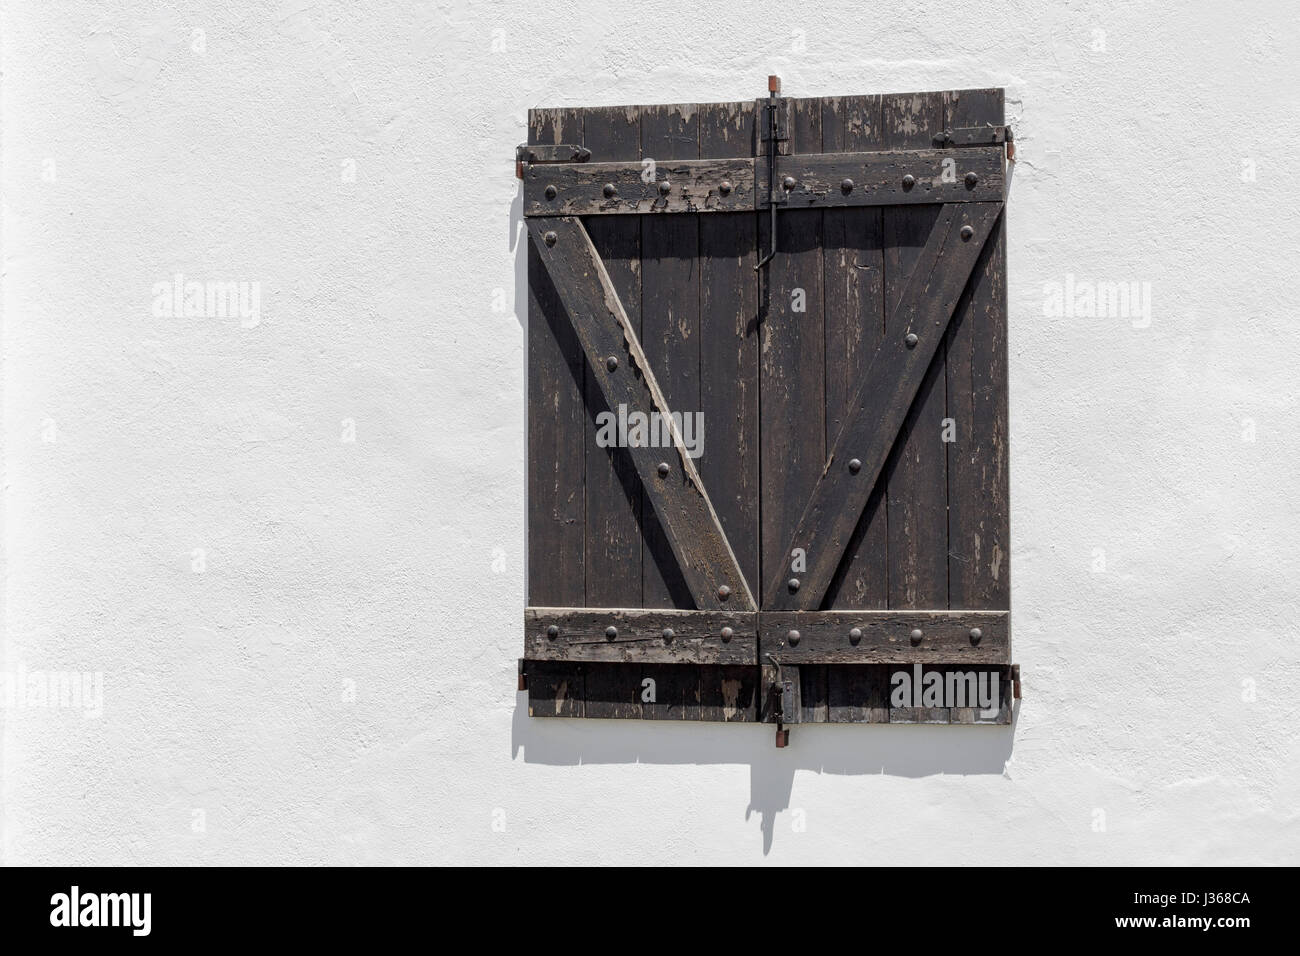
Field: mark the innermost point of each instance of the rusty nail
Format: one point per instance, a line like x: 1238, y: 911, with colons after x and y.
x: 663, y: 469
x: 792, y: 637
x: 971, y: 180
x: 916, y: 635
x: 855, y: 465
x: 911, y: 340
x: 611, y: 363
x: 975, y: 635
x: 550, y: 238
x: 846, y: 185
x: 726, y: 634
x: 793, y: 584
x: 855, y: 635
x: 724, y: 592
x: 550, y: 192
x: 668, y: 634
x: 725, y: 187
x: 966, y: 233
x: 552, y: 632
x: 611, y: 632
x: 909, y: 181
x: 665, y: 187
x: 788, y: 183
x: 609, y: 190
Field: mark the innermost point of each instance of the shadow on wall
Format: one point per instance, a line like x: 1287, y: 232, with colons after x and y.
x: 911, y: 750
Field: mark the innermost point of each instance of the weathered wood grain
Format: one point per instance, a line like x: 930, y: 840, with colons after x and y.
x: 678, y: 497
x: 891, y: 382
x: 878, y: 178
x: 728, y: 350
x: 583, y: 189
x: 641, y: 634
x: 979, y: 559
x: 885, y: 637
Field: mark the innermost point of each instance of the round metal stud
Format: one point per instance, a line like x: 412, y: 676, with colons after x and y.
x: 552, y: 632
x: 788, y: 183
x: 971, y: 180
x: 724, y: 592
x: 724, y: 187
x: 916, y: 635
x: 668, y: 634
x: 855, y: 635
x: 846, y: 185
x: 665, y: 187
x: 550, y: 238
x: 975, y: 635
x: 611, y: 363
x: 550, y: 192
x: 609, y: 191
x: 611, y: 632
x: 911, y: 340
x: 792, y: 637
x: 855, y: 465
x: 966, y: 233
x: 726, y: 634
x: 664, y: 469
x: 793, y: 584
x: 909, y: 181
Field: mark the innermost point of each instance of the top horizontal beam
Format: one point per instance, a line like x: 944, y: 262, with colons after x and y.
x: 804, y: 181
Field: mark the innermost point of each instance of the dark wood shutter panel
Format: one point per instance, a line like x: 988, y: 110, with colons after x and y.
x: 664, y: 586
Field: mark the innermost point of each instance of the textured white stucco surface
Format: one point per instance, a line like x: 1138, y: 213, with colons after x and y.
x: 308, y: 644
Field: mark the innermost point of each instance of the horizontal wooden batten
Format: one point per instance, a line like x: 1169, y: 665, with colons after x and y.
x: 589, y: 189
x: 820, y: 181
x: 835, y: 180
x: 572, y: 634
x: 886, y: 637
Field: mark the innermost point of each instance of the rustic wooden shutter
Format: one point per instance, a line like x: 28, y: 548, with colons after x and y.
x: 848, y: 517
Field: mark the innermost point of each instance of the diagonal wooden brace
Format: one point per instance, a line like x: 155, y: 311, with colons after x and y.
x: 891, y: 381
x: 617, y: 361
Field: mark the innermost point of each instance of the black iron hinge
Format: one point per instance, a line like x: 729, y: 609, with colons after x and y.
x: 961, y: 136
x: 526, y: 155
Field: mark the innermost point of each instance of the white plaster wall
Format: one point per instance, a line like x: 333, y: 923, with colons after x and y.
x: 1158, y: 724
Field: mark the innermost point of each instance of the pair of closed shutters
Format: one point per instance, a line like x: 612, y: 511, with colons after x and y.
x: 764, y: 489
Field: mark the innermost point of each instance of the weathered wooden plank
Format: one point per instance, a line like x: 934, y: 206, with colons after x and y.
x: 672, y: 185
x: 670, y: 310
x: 612, y: 690
x: 859, y: 693
x: 846, y: 180
x: 556, y: 452
x: 613, y: 490
x: 978, y: 492
x: 642, y: 635
x: 916, y: 472
x: 891, y: 381
x: 554, y: 688
x: 626, y: 377
x: 728, y: 348
x: 886, y: 637
x: 828, y: 180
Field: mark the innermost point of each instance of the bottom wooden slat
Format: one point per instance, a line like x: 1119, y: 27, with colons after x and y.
x: 838, y: 693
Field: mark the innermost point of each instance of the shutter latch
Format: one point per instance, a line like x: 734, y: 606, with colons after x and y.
x: 526, y: 155
x: 775, y: 130
x: 784, y: 703
x: 960, y: 136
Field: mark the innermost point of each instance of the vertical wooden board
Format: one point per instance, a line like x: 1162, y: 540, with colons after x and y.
x: 916, y: 475
x: 611, y: 690
x: 859, y: 693
x: 855, y: 322
x: 670, y: 305
x: 792, y: 377
x: 670, y: 335
x: 978, y: 489
x: 729, y: 693
x: 729, y: 387
x: 556, y: 452
x: 555, y: 689
x: 613, y: 490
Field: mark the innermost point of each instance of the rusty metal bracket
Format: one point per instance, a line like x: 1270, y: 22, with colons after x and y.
x: 777, y: 130
x: 533, y: 155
